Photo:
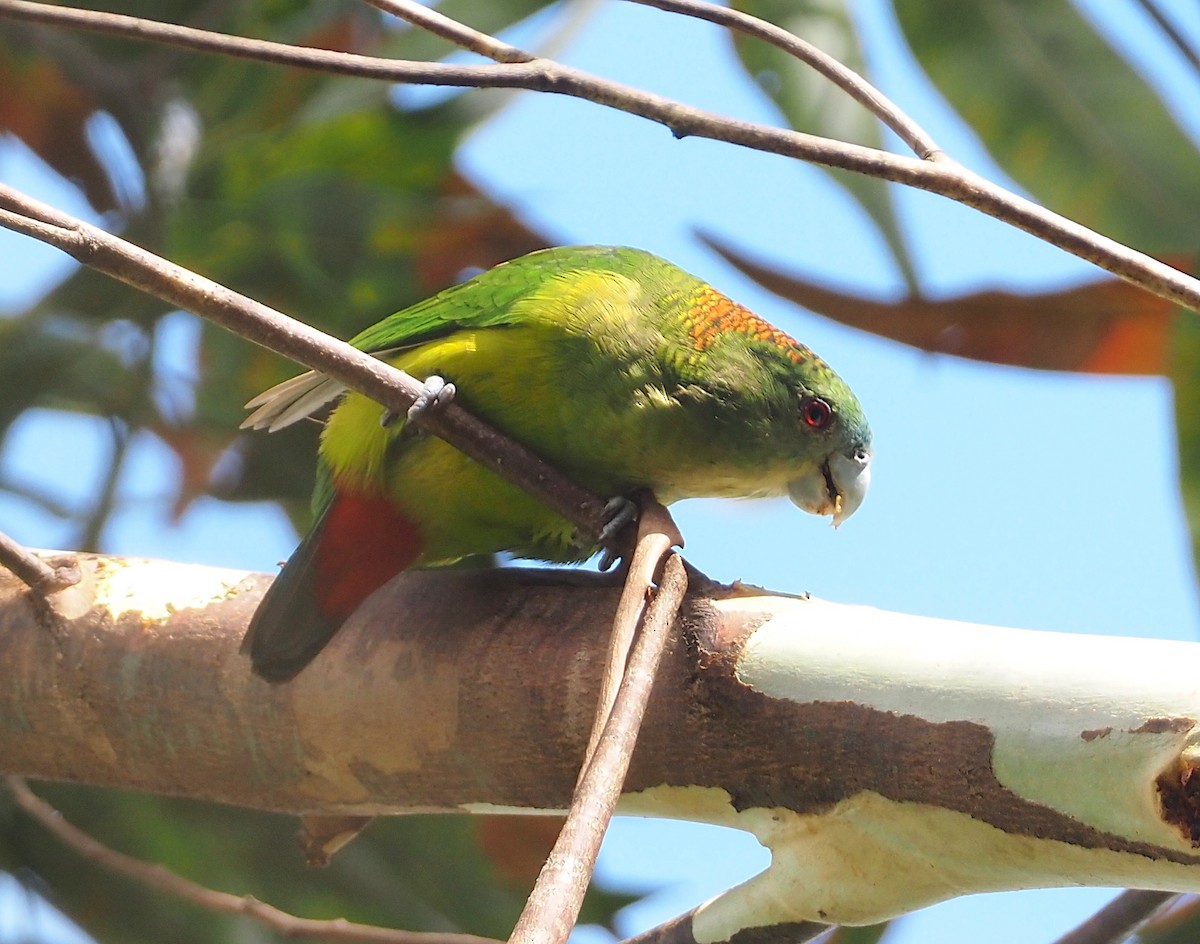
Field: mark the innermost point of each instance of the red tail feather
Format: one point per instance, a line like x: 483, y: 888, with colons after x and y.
x: 365, y: 541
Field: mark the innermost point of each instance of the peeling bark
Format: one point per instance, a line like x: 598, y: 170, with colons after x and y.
x: 887, y: 761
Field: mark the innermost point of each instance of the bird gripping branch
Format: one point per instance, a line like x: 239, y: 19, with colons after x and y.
x: 615, y: 366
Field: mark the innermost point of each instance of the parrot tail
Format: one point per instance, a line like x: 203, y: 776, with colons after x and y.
x: 357, y: 545
x: 291, y: 401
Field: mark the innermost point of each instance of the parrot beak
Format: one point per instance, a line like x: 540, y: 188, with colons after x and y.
x: 840, y: 487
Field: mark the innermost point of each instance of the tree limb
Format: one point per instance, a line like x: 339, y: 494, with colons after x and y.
x: 887, y: 761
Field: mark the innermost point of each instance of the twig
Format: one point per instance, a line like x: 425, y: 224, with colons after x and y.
x: 256, y: 322
x: 1183, y: 913
x: 458, y: 33
x: 657, y: 534
x: 34, y: 571
x: 164, y: 880
x: 553, y: 906
x: 259, y: 50
x: 840, y: 75
x: 942, y: 176
x: 36, y: 494
x: 89, y: 538
x: 680, y: 929
x: 1120, y: 919
x: 1177, y: 39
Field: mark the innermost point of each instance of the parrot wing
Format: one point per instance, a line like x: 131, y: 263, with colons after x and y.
x: 483, y: 302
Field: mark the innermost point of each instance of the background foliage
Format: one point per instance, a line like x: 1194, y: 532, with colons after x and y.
x: 338, y: 201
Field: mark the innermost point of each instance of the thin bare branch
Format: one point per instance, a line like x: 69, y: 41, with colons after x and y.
x: 458, y: 33
x: 304, y: 57
x: 1120, y: 919
x: 657, y: 534
x: 164, y: 880
x: 89, y: 537
x: 39, y: 495
x: 679, y: 931
x: 938, y: 175
x: 1172, y: 32
x: 256, y: 322
x: 553, y: 906
x: 840, y: 75
x: 34, y: 571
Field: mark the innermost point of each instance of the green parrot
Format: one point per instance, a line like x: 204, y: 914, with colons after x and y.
x: 618, y: 368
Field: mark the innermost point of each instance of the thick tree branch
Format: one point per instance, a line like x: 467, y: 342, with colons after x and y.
x: 886, y: 761
x: 939, y: 174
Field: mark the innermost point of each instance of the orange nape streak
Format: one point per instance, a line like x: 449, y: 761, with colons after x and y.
x: 712, y: 314
x: 364, y: 542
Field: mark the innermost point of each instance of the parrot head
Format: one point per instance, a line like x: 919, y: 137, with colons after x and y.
x: 810, y: 435
x: 836, y: 482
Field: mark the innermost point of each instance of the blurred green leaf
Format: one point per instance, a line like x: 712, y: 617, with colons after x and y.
x: 811, y: 103
x: 1065, y: 116
x: 307, y: 191
x: 337, y: 222
x: 868, y: 934
x: 1179, y: 925
x: 62, y: 364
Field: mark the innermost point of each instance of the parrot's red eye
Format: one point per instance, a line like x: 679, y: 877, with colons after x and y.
x: 815, y: 412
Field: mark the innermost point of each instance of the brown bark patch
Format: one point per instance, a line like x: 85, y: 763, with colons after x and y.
x: 1179, y: 793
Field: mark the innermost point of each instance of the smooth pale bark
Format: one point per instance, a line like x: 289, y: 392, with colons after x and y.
x: 887, y: 761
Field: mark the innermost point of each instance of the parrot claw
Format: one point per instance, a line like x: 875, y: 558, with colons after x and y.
x: 608, y: 557
x: 618, y: 512
x: 436, y: 393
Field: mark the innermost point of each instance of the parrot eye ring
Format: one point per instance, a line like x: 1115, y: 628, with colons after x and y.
x: 815, y: 412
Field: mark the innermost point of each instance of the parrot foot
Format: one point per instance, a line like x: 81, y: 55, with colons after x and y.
x: 436, y: 393
x: 618, y: 512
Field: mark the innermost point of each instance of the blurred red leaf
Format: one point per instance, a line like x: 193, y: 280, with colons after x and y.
x: 480, y: 235
x: 48, y: 112
x: 1106, y: 327
x: 517, y: 845
x: 198, y: 451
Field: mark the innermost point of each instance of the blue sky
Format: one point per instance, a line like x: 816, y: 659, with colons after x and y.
x: 999, y: 495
